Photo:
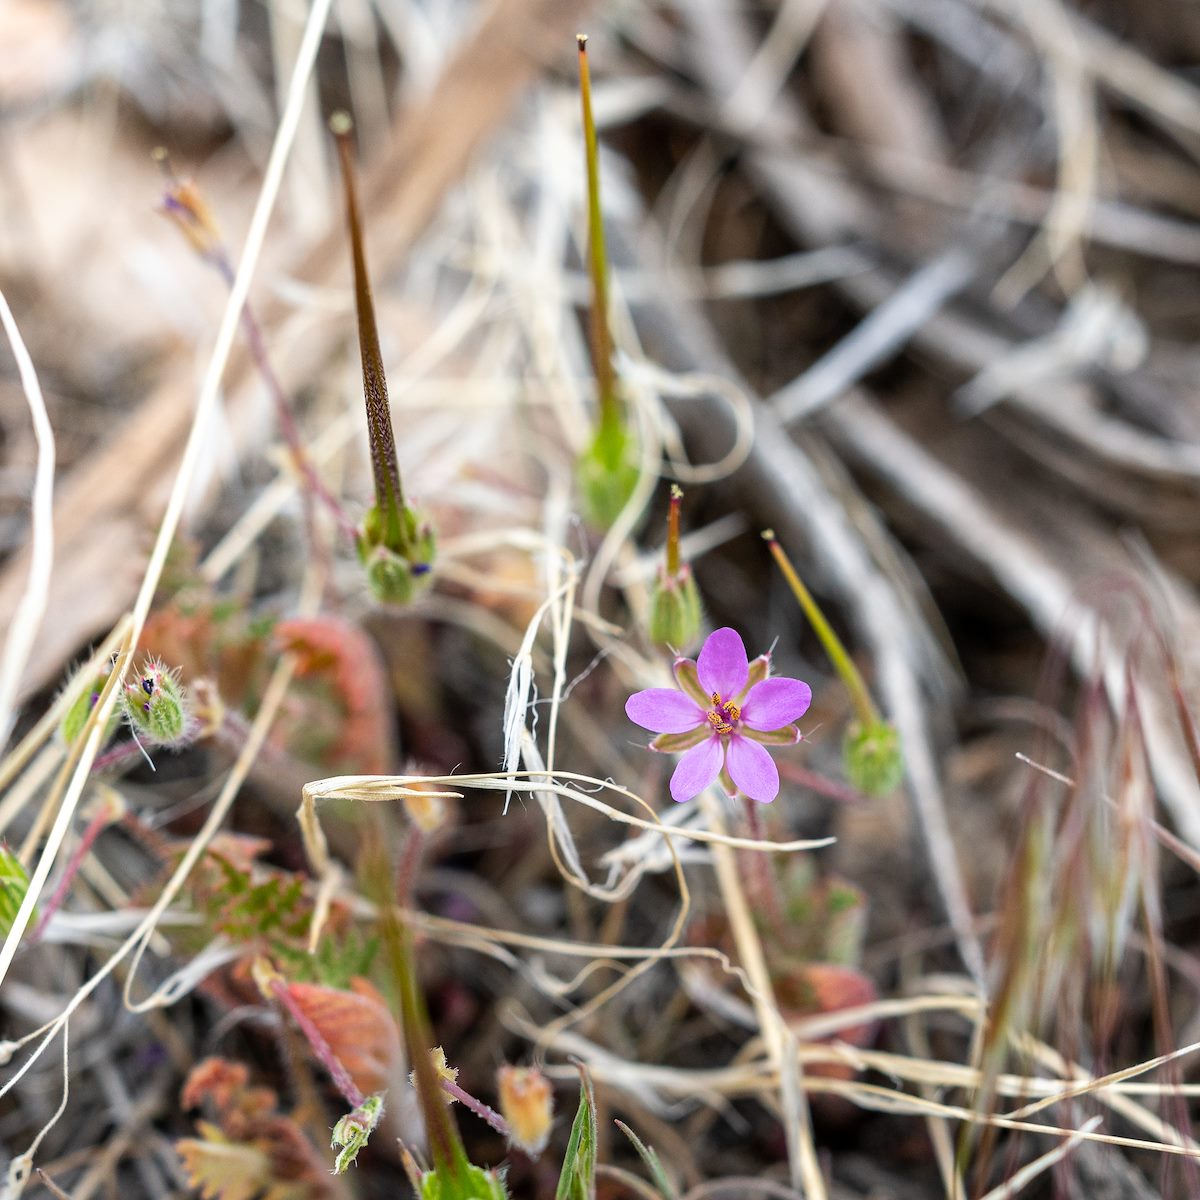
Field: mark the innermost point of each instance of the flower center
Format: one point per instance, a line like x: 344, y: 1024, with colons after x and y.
x: 723, y: 717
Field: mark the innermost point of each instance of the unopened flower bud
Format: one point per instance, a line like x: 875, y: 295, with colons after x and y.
x: 190, y: 214
x: 85, y: 690
x: 872, y: 757
x: 527, y: 1104
x: 675, y: 614
x: 156, y: 706
x: 350, y: 1134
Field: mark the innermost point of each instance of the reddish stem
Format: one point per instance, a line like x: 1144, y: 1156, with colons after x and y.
x: 481, y: 1110
x: 90, y: 834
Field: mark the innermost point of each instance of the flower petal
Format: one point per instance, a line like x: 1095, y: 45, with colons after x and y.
x: 722, y: 663
x: 752, y: 769
x: 775, y: 703
x: 663, y: 710
x: 696, y: 770
x: 689, y: 681
x: 677, y: 743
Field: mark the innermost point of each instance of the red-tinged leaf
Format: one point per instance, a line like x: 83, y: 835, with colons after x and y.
x: 341, y: 672
x: 359, y: 1028
x: 826, y: 988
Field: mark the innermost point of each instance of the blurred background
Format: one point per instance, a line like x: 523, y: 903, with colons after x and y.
x: 911, y: 282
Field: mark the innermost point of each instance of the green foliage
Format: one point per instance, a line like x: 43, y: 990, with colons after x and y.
x: 872, y: 757
x: 14, y: 883
x: 478, y: 1184
x: 658, y: 1175
x: 271, y: 915
x: 577, y: 1180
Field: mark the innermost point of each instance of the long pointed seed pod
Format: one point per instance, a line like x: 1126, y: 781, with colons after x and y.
x: 608, y: 467
x: 674, y: 617
x: 871, y: 750
x: 395, y: 543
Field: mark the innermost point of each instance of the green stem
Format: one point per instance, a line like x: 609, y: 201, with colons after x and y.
x: 445, y: 1144
x: 601, y: 336
x: 673, y: 531
x: 389, y: 496
x: 864, y: 706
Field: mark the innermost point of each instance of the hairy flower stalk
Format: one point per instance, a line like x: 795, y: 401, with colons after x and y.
x: 607, y: 468
x: 674, y: 619
x: 871, y: 749
x: 395, y: 543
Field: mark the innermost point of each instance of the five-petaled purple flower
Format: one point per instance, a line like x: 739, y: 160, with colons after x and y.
x: 725, y: 712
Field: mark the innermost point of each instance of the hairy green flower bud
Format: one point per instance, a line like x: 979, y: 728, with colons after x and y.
x: 85, y: 689
x: 872, y: 757
x: 675, y: 610
x: 156, y: 707
x: 350, y: 1134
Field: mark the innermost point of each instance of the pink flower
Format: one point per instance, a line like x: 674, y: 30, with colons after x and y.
x: 724, y: 713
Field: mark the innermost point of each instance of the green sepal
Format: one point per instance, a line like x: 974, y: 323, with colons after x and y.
x: 687, y: 676
x: 872, y: 757
x: 675, y: 613
x: 397, y: 554
x: 760, y: 668
x: 677, y: 743
x: 789, y: 735
x: 607, y: 473
x: 353, y: 1130
x: 577, y: 1180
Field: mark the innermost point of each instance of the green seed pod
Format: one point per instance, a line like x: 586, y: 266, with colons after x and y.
x: 156, y: 707
x: 873, y: 758
x: 675, y: 610
x: 14, y: 883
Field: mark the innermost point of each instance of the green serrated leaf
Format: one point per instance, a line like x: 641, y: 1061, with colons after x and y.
x: 577, y: 1181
